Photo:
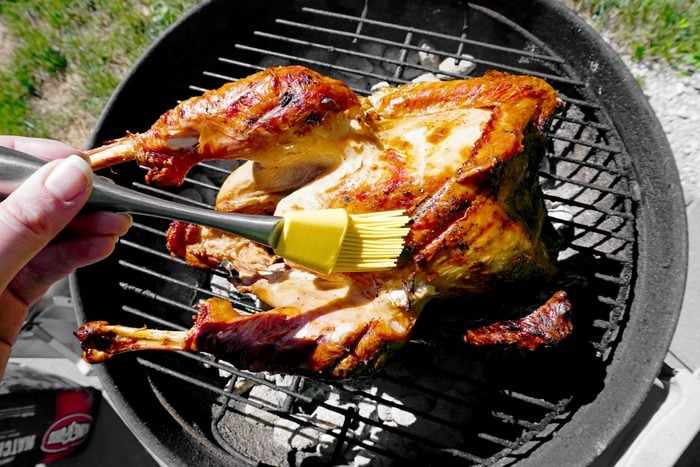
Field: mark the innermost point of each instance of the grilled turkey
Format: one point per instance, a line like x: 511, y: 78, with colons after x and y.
x: 461, y: 157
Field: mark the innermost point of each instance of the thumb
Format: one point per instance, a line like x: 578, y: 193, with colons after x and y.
x: 33, y: 214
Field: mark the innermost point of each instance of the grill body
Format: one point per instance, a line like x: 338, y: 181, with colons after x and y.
x: 610, y: 172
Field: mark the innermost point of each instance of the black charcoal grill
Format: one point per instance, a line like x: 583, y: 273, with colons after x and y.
x: 611, y: 187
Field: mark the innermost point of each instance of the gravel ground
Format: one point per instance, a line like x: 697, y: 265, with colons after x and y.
x: 675, y: 99
x: 676, y: 102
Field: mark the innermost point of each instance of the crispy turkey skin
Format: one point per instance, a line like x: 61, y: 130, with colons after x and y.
x: 461, y: 157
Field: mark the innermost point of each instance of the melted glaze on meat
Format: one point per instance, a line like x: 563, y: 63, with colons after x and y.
x: 460, y: 157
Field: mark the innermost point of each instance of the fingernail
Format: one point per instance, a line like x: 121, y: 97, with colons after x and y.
x: 128, y: 222
x: 69, y: 179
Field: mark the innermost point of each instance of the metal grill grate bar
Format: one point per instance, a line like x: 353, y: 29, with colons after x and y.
x: 609, y: 301
x: 589, y: 207
x: 170, y: 279
x: 584, y: 123
x: 510, y: 419
x: 421, y: 413
x: 239, y: 304
x: 592, y: 229
x: 379, y: 424
x: 246, y: 375
x: 429, y: 33
x: 152, y: 251
x: 193, y: 181
x: 370, y: 447
x: 304, y: 60
x: 207, y: 186
x: 198, y: 88
x: 608, y: 278
x: 590, y: 186
x: 163, y: 193
x: 160, y: 254
x: 154, y: 296
x: 352, y: 53
x: 509, y: 394
x: 219, y: 76
x: 499, y: 441
x: 595, y: 252
x: 601, y: 147
x: 214, y: 168
x: 198, y: 382
x: 145, y: 228
x: 443, y: 53
x: 340, y: 68
x: 151, y: 318
x: 536, y: 401
x: 585, y: 163
x: 581, y: 103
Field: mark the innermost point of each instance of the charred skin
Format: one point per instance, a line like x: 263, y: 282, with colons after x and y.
x: 323, y: 343
x: 460, y: 157
x: 547, y: 325
x: 317, y: 343
x: 486, y: 225
x: 476, y: 225
x: 247, y: 118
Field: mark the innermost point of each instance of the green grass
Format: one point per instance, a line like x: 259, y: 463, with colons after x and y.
x: 91, y: 44
x: 96, y: 41
x: 660, y: 30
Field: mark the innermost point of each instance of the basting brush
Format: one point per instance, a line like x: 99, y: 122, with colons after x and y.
x: 331, y: 240
x: 324, y: 241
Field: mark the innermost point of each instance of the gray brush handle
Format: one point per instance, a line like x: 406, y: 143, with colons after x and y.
x: 16, y: 166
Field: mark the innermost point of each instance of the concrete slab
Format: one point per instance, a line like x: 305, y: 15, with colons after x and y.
x: 685, y: 346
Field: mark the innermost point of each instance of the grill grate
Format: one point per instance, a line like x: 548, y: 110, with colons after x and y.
x: 451, y: 405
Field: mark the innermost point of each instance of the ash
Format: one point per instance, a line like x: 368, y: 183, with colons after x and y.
x: 414, y: 409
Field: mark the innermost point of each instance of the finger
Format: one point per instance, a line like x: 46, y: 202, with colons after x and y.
x: 47, y: 149
x: 56, y: 262
x: 5, y: 351
x: 39, y: 209
x: 101, y: 223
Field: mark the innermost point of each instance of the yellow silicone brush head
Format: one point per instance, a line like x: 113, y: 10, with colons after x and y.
x: 331, y: 240
x: 372, y: 241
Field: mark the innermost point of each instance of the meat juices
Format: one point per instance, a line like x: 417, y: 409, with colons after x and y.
x: 461, y: 157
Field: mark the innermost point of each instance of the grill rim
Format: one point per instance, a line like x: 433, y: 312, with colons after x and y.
x: 655, y: 277
x: 652, y: 281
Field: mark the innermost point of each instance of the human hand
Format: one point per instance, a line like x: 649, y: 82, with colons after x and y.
x: 43, y: 236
